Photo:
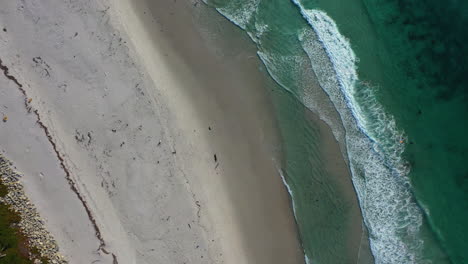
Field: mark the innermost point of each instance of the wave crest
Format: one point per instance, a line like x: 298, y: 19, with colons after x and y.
x: 372, y: 139
x: 373, y: 142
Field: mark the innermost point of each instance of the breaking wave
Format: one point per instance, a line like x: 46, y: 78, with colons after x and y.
x: 374, y: 144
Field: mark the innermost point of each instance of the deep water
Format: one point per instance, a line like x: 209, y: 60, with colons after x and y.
x: 395, y: 72
x: 416, y: 56
x: 429, y: 98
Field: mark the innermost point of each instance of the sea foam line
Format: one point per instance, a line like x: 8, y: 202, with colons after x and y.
x: 280, y: 171
x: 383, y: 199
x: 240, y: 19
x: 387, y: 204
x: 386, y: 138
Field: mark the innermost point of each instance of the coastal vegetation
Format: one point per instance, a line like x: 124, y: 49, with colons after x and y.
x: 14, y: 244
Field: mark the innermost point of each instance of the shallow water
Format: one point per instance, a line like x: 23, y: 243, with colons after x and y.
x: 394, y: 72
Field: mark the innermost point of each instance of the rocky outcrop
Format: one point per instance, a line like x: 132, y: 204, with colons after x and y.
x: 31, y: 224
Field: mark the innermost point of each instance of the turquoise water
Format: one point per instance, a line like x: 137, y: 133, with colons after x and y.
x: 394, y: 72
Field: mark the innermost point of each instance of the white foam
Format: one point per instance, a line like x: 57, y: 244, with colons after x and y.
x: 379, y: 174
x: 239, y: 12
x: 289, y: 190
x: 371, y: 134
x: 241, y: 18
x: 275, y: 65
x: 306, y: 258
x: 372, y: 119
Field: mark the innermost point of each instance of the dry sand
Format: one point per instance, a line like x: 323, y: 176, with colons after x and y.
x: 163, y: 128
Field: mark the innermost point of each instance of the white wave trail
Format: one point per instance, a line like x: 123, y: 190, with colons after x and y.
x: 306, y: 258
x: 239, y: 12
x: 240, y: 16
x: 378, y: 172
x: 372, y: 119
x: 289, y: 190
x: 372, y: 141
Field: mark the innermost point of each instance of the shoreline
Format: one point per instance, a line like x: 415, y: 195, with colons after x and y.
x: 169, y: 137
x: 340, y: 173
x: 235, y: 55
x: 358, y: 243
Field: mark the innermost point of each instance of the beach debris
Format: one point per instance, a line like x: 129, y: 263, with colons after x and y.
x: 159, y: 143
x: 5, y: 118
x: 42, y: 66
x: 28, y: 105
x: 85, y: 138
x: 209, y: 128
x: 89, y: 138
x: 215, y: 158
x: 79, y: 136
x: 6, y: 72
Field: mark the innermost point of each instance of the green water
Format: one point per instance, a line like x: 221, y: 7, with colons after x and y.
x: 402, y: 103
x: 430, y: 101
x: 415, y: 52
x: 322, y: 211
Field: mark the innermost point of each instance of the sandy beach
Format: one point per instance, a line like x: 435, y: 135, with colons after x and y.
x: 144, y: 133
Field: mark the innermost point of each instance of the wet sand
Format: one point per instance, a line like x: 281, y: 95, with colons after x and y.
x: 161, y: 140
x: 230, y: 95
x: 358, y: 248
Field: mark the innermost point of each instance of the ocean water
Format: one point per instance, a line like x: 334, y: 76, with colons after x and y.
x: 394, y: 71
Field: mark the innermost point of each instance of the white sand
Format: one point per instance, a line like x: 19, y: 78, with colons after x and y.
x: 129, y: 116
